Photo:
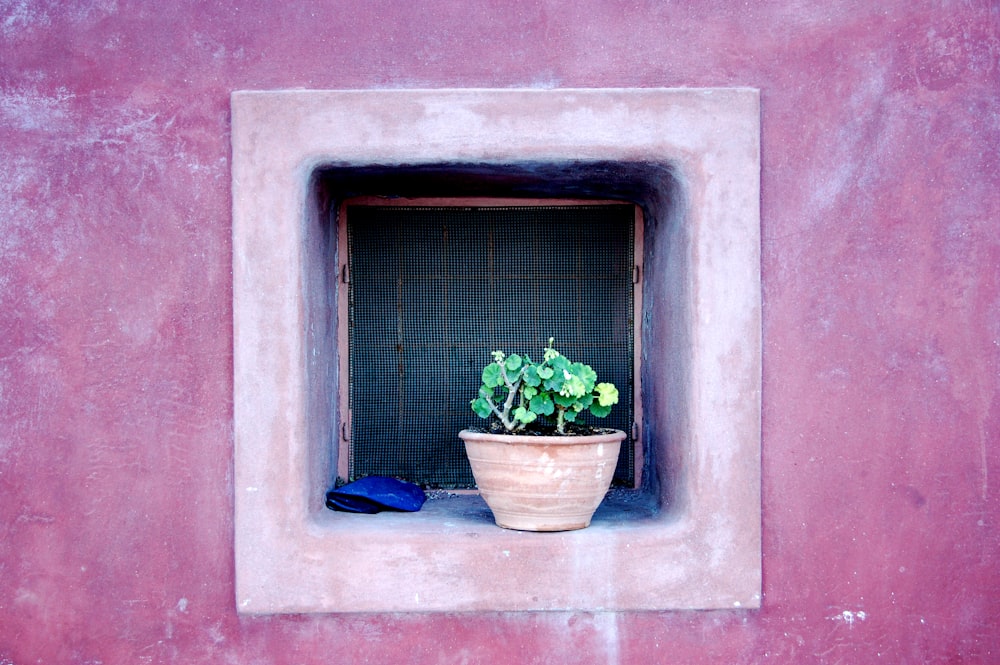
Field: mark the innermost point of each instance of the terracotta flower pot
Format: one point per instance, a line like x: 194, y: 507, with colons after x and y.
x: 542, y: 483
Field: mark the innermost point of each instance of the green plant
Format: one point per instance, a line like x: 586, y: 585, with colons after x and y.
x: 518, y: 391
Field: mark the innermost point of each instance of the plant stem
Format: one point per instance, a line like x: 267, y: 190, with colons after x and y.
x: 512, y: 391
x: 502, y: 415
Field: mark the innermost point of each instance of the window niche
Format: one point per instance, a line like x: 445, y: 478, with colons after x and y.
x: 689, y: 536
x: 496, y: 214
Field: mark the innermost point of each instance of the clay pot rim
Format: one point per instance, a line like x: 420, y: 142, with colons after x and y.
x: 565, y: 440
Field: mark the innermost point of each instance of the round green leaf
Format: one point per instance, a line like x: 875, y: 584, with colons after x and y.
x: 524, y: 415
x: 481, y: 407
x: 513, y: 363
x: 564, y: 400
x: 600, y: 411
x: 492, y: 375
x: 573, y: 386
x: 542, y: 404
x: 607, y: 394
x: 587, y: 375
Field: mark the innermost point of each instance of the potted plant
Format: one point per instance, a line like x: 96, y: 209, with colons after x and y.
x: 535, y: 466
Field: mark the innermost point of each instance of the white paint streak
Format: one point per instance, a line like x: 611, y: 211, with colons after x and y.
x: 983, y: 461
x: 606, y: 624
x: 26, y: 109
x: 215, y: 633
x: 849, y: 617
x: 19, y: 16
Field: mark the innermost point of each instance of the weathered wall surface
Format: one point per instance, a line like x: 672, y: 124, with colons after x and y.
x: 881, y: 278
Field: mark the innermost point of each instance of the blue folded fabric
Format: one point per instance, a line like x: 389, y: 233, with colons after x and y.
x: 373, y: 494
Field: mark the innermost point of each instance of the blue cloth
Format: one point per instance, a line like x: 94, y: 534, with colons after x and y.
x: 373, y: 494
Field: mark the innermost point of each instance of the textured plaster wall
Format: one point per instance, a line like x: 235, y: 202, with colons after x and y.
x: 881, y: 285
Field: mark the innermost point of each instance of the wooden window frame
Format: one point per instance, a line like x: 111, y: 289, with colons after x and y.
x: 343, y: 288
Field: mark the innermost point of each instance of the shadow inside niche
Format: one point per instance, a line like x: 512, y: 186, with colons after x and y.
x: 657, y: 189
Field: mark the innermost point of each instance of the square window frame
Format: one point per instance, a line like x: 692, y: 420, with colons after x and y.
x: 344, y: 414
x: 695, y: 545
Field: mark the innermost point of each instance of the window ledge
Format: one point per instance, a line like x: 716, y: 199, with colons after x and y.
x: 450, y: 556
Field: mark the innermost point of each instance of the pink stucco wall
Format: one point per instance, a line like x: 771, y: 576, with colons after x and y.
x: 881, y: 286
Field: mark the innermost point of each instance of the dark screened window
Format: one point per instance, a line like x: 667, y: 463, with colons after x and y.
x: 434, y: 290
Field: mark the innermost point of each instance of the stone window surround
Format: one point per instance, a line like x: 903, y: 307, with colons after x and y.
x: 690, y: 538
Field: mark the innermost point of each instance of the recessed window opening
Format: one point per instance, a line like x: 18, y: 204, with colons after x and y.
x: 431, y: 287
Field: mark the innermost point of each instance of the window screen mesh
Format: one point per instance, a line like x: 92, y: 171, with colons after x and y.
x: 434, y: 290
